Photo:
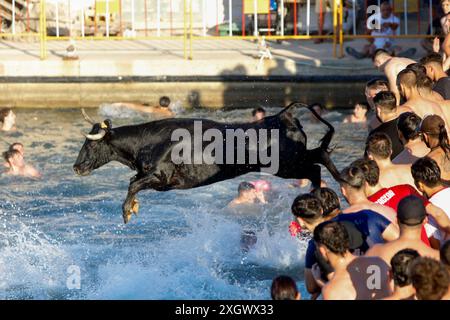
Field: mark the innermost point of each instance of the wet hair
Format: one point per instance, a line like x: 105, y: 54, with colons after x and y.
x: 442, y: 135
x: 328, y: 199
x: 7, y: 155
x: 380, y: 52
x: 283, y: 288
x: 430, y: 278
x: 333, y: 236
x: 245, y: 186
x: 408, y: 124
x: 353, y: 176
x: 370, y: 169
x: 427, y: 171
x: 258, y: 110
x: 11, y: 147
x: 386, y: 101
x: 377, y: 84
x: 433, y: 58
x: 307, y: 206
x: 164, y: 101
x: 418, y: 68
x: 379, y: 145
x: 363, y: 105
x: 400, y: 263
x: 4, y: 113
x: 445, y: 254
x: 407, y: 77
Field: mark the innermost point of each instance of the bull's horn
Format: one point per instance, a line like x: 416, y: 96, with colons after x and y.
x: 86, y: 117
x: 97, y: 136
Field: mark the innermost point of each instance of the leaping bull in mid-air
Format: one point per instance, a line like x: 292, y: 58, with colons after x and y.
x: 167, y: 154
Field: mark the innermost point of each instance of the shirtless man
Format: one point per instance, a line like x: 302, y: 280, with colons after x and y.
x: 408, y: 85
x: 16, y: 146
x: 162, y: 109
x: 379, y: 148
x: 373, y: 87
x: 7, y: 120
x: 435, y: 71
x: 17, y: 165
x: 400, y: 262
x: 247, y: 194
x: 359, y: 114
x: 408, y: 126
x: 390, y: 66
x: 436, y: 138
x: 351, y: 273
x: 411, y: 216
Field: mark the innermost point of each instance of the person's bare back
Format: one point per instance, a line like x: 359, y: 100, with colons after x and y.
x: 423, y: 107
x: 411, y: 153
x: 392, y: 69
x: 396, y: 174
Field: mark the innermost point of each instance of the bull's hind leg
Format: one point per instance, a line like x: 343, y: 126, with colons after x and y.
x: 131, y: 204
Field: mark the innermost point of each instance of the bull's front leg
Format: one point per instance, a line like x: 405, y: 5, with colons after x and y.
x: 131, y: 204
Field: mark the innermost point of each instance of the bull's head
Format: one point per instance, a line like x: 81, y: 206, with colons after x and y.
x: 96, y: 150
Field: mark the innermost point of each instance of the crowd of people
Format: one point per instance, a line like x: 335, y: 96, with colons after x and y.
x: 392, y: 240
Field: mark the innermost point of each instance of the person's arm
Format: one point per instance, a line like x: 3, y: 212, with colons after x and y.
x: 310, y: 283
x: 392, y: 79
x: 391, y: 233
x: 440, y: 216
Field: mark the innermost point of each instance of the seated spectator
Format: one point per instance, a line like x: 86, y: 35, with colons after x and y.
x: 258, y: 113
x: 430, y: 278
x: 411, y: 216
x: 351, y: 274
x: 400, y: 262
x: 379, y: 149
x: 284, y: 288
x: 386, y: 109
x: 435, y: 71
x: 359, y: 114
x: 408, y: 126
x: 247, y: 194
x: 17, y: 165
x: 7, y: 120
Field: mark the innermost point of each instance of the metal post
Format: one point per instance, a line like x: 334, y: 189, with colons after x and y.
x: 190, y: 29
x: 341, y: 29
x: 431, y: 16
x: 295, y: 18
x: 57, y: 19
x: 243, y: 18
x: 282, y: 18
x: 95, y: 18
x: 158, y: 18
x: 184, y: 31
x: 13, y: 23
x: 354, y: 17
x: 308, y: 15
x: 255, y: 8
x: 405, y: 8
x: 335, y: 36
x: 107, y: 18
x: 230, y: 17
x: 43, y: 31
x: 268, y: 20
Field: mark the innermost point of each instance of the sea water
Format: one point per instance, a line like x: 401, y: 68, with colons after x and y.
x: 62, y: 237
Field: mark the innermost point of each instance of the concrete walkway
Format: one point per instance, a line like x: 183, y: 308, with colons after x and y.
x: 160, y: 58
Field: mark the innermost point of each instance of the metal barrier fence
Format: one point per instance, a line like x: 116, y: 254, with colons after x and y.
x: 190, y: 20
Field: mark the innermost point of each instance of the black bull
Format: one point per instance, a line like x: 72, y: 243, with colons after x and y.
x: 147, y: 148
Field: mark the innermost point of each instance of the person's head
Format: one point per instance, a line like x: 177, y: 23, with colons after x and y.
x: 408, y: 126
x: 258, y: 113
x: 164, y: 102
x: 329, y: 200
x: 411, y: 213
x: 247, y: 190
x: 445, y: 6
x: 385, y: 105
x: 307, y: 210
x: 14, y: 158
x: 434, y: 133
x: 385, y: 9
x: 378, y: 146
x: 445, y: 21
x: 445, y: 255
x: 400, y: 263
x: 371, y: 171
x: 284, y: 288
x: 332, y: 239
x: 433, y: 65
x: 352, y: 181
x: 17, y: 146
x: 360, y: 109
x: 7, y: 117
x: 380, y: 57
x: 372, y: 88
x: 426, y: 174
x: 407, y: 82
x: 430, y: 278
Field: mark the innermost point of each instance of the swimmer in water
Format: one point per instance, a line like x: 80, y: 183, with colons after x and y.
x: 359, y: 114
x: 17, y: 165
x: 258, y: 114
x: 7, y: 120
x: 162, y: 109
x: 18, y: 147
x: 247, y: 194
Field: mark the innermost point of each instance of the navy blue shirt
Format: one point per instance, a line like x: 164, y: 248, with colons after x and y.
x: 369, y: 223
